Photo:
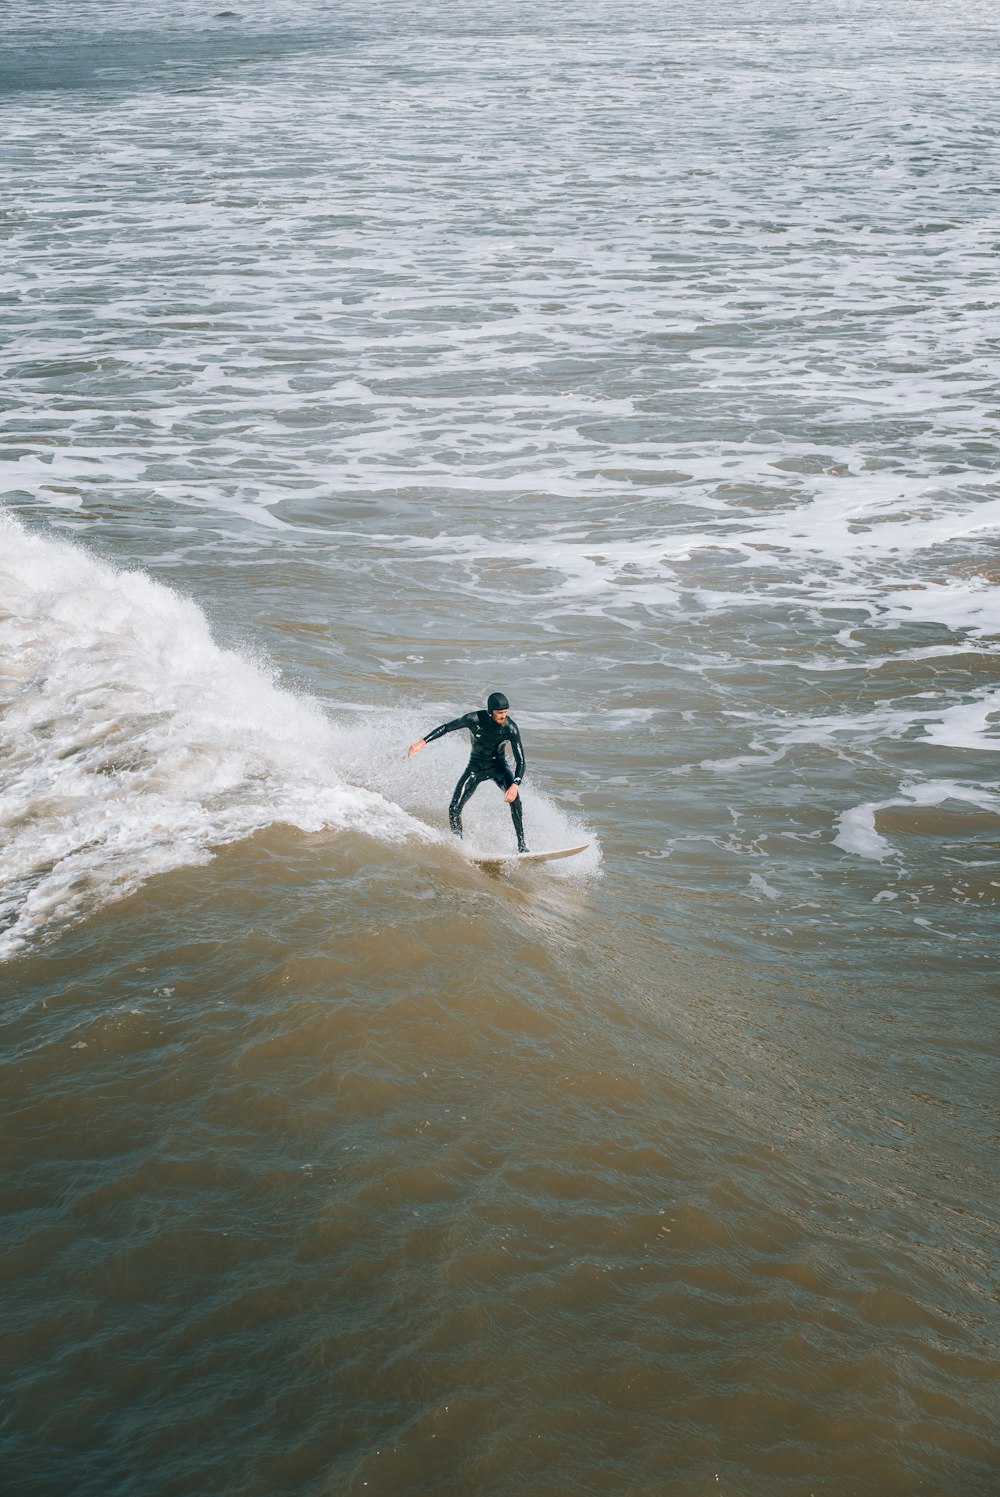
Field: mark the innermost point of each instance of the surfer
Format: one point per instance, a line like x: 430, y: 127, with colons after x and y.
x: 490, y: 731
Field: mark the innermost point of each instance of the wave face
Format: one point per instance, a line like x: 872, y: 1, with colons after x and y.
x: 133, y: 743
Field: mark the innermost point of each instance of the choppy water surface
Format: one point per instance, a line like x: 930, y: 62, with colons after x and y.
x: 638, y: 361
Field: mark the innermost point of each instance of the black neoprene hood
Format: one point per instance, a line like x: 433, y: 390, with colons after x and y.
x: 497, y: 702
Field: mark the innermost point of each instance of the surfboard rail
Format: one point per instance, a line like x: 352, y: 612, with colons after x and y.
x: 497, y: 860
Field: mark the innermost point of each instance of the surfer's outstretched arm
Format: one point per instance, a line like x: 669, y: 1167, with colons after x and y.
x: 460, y: 722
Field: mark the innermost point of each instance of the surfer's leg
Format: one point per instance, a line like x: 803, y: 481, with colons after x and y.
x: 518, y: 819
x: 463, y: 790
x: 505, y: 779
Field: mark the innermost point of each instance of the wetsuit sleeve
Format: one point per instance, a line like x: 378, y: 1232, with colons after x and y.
x: 460, y: 722
x: 515, y: 743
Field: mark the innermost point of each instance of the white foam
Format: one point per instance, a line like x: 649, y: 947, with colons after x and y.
x: 856, y: 830
x: 968, y: 725
x: 134, y: 744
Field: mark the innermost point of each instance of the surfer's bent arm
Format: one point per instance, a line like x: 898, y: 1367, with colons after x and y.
x: 459, y: 722
x: 518, y: 751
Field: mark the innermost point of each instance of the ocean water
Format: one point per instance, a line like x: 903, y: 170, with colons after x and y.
x: 638, y: 361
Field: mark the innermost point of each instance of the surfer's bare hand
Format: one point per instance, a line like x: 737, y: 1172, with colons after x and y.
x: 415, y: 748
x: 511, y: 795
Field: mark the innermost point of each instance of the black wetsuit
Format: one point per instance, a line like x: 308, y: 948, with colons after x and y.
x: 486, y: 762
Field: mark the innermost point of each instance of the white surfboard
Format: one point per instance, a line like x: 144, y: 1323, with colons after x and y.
x: 495, y: 861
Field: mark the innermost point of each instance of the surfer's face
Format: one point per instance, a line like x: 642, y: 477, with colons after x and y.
x: 499, y: 717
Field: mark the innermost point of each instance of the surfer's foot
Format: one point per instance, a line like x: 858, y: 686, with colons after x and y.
x: 523, y: 847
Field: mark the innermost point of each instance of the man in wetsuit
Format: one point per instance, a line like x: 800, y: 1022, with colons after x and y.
x: 490, y: 731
